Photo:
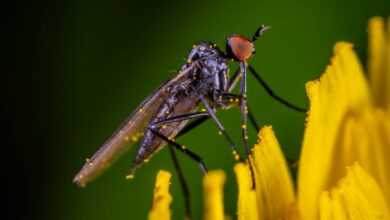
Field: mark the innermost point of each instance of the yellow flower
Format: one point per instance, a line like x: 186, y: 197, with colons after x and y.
x: 161, y: 199
x: 348, y: 122
x: 344, y: 168
x: 213, y: 191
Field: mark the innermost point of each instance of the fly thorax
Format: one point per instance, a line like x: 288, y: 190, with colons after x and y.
x: 213, y: 74
x: 211, y: 71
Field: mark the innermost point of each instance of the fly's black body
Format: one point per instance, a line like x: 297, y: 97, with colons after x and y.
x: 163, y: 116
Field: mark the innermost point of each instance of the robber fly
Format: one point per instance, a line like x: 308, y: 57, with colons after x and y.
x: 164, y: 115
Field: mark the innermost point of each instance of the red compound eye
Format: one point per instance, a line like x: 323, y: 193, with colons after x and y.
x: 239, y: 47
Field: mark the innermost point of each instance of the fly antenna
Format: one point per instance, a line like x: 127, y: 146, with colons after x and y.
x: 259, y: 32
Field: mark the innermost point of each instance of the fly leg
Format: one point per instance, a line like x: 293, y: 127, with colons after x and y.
x: 292, y: 162
x: 244, y: 119
x: 241, y: 101
x: 253, y: 120
x: 244, y: 108
x: 178, y: 169
x: 221, y: 128
x: 182, y: 148
x: 172, y: 143
x: 199, y: 121
x: 230, y: 99
x: 236, y: 77
x: 232, y: 83
x: 183, y: 183
x: 182, y: 117
x: 271, y: 93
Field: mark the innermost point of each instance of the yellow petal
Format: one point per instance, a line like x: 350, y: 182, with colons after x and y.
x: 161, y: 198
x: 365, y: 137
x: 357, y: 197
x: 247, y: 204
x: 213, y: 195
x: 274, y: 188
x: 341, y: 88
x: 379, y: 60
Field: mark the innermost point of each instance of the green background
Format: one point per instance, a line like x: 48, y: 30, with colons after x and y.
x: 94, y: 61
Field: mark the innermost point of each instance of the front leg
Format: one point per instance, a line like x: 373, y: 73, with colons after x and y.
x: 244, y: 107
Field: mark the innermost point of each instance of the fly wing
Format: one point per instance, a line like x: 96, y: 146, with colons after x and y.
x: 128, y: 132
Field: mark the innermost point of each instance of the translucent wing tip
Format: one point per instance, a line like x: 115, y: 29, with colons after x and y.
x: 88, y: 172
x: 79, y: 180
x: 83, y: 177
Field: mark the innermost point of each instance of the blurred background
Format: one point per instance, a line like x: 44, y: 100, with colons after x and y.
x: 80, y: 67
